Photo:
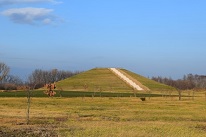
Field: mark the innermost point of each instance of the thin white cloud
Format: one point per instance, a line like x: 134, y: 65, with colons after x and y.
x: 10, y: 2
x: 32, y: 16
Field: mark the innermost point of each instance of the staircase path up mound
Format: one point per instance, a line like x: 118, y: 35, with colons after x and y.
x: 126, y: 79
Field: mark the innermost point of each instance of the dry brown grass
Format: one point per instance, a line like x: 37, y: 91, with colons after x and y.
x: 104, y: 117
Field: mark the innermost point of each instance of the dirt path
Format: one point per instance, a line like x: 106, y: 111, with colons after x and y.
x: 126, y: 79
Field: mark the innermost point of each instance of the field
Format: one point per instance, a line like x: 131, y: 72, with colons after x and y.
x: 104, y: 116
x: 40, y: 93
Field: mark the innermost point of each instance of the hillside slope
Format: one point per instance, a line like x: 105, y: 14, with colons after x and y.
x: 98, y: 79
x: 150, y: 84
x: 103, y: 79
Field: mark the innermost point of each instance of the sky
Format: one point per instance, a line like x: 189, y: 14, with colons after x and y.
x: 150, y: 37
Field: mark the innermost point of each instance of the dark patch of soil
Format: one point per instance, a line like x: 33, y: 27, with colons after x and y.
x: 202, y: 127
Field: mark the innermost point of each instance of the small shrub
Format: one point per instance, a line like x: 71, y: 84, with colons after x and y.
x: 143, y: 99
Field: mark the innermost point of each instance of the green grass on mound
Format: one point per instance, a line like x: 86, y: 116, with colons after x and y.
x: 102, y: 79
x: 151, y: 84
x: 95, y: 80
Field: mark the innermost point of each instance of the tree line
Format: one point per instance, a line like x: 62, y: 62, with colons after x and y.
x: 189, y: 81
x: 38, y: 78
x: 41, y: 77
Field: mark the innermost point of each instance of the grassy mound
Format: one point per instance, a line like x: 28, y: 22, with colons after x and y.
x: 98, y: 79
x: 151, y: 84
x: 102, y: 79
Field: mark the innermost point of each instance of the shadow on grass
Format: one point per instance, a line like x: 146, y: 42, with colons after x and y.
x: 70, y: 94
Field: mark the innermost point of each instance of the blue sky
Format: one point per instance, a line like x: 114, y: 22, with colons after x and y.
x: 149, y: 37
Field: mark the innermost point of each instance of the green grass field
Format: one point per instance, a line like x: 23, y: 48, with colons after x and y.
x: 106, y: 116
x: 69, y: 94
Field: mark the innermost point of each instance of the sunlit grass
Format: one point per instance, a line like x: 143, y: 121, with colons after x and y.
x: 152, y: 85
x: 95, y: 80
x: 102, y: 79
x: 106, y: 116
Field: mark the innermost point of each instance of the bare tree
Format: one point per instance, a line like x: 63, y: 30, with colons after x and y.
x: 30, y: 88
x: 180, y: 94
x: 4, y: 70
x: 42, y: 77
